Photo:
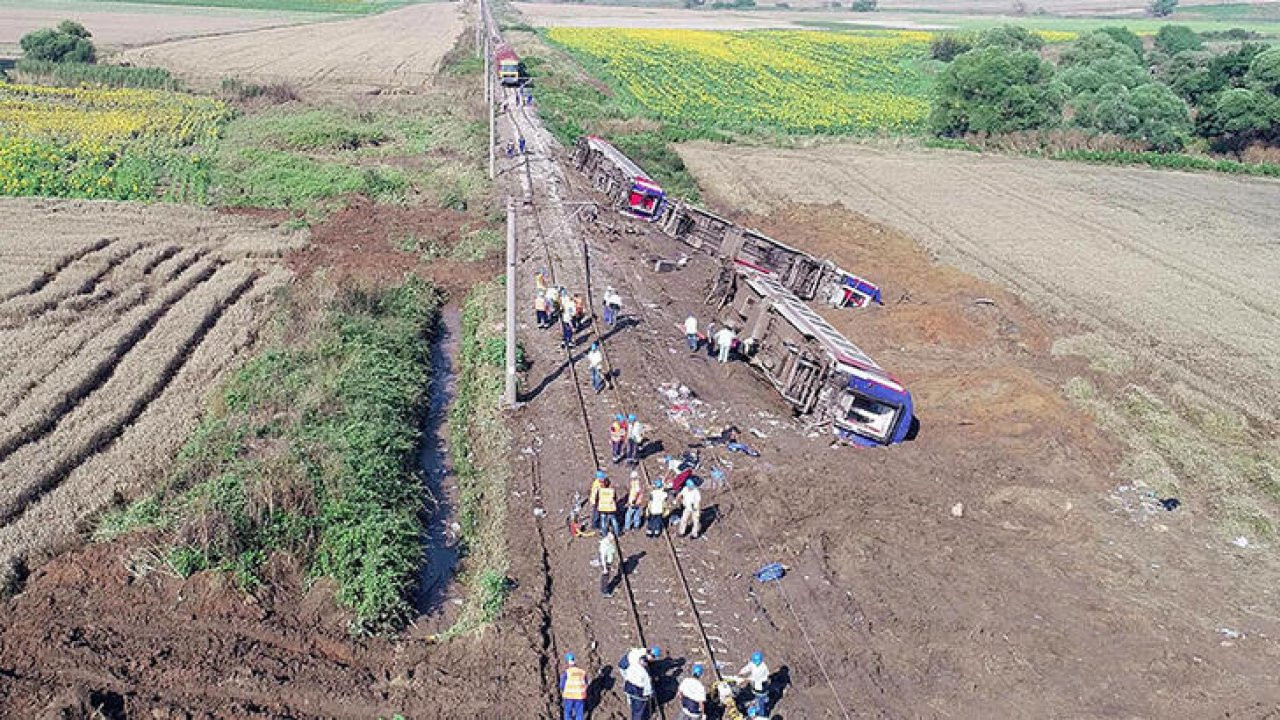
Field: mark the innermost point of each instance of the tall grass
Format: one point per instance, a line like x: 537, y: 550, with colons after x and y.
x: 77, y: 74
x: 310, y: 451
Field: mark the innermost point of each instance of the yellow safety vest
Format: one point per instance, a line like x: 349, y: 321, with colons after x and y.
x: 575, y: 684
x: 608, y: 500
x: 618, y: 431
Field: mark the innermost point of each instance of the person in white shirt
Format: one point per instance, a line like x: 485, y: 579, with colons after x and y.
x: 595, y: 361
x: 691, y: 500
x: 608, y: 559
x: 756, y: 674
x: 612, y: 304
x: 691, y: 333
x: 635, y: 439
x: 657, y: 509
x: 692, y: 695
x: 724, y: 342
x: 566, y: 324
x: 637, y: 683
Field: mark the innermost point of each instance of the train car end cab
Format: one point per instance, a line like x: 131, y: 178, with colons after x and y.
x: 508, y: 66
x: 872, y: 413
x: 645, y: 199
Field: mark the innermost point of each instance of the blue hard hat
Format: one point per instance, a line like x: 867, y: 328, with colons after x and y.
x: 619, y: 417
x: 657, y: 483
x: 757, y: 657
x: 631, y: 417
x: 568, y: 657
x: 655, y: 651
x: 753, y: 711
x: 599, y: 474
x: 595, y: 346
x: 697, y: 669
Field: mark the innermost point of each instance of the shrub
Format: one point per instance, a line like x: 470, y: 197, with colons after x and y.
x: 1163, y: 8
x: 1173, y: 39
x: 1096, y: 46
x: 862, y: 5
x: 946, y: 46
x: 68, y: 42
x: 1124, y: 36
x: 1010, y: 37
x: 1264, y: 71
x: 994, y: 90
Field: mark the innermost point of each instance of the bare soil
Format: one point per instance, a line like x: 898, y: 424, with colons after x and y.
x: 892, y: 13
x: 400, y: 50
x: 1177, y: 269
x: 116, y: 26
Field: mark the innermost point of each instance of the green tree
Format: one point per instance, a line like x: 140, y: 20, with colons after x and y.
x: 68, y: 42
x: 1163, y: 8
x: 1010, y: 37
x: 1119, y: 70
x: 1096, y: 46
x: 1240, y: 116
x: 995, y: 90
x: 1264, y: 71
x: 1150, y: 113
x: 946, y: 46
x: 1124, y: 36
x: 1173, y: 39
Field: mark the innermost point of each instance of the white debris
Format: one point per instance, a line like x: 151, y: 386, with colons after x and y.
x: 957, y: 510
x: 1241, y: 542
x: 757, y: 433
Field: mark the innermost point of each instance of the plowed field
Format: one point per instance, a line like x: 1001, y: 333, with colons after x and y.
x: 401, y: 49
x: 112, y: 328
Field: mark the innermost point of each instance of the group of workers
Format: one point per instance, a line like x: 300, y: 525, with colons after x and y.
x: 677, y: 488
x: 557, y: 303
x: 720, y: 342
x: 637, y: 667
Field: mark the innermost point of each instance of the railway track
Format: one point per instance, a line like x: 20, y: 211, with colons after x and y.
x: 654, y: 620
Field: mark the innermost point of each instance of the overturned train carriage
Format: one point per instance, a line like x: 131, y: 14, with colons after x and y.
x: 618, y: 178
x: 801, y: 273
x: 815, y: 368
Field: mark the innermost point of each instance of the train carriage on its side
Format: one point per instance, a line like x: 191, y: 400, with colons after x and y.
x: 618, y: 178
x: 507, y: 65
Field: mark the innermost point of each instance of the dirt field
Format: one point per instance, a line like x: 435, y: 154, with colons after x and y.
x: 891, y: 13
x: 1177, y: 269
x: 397, y: 50
x: 115, y: 321
x: 116, y: 25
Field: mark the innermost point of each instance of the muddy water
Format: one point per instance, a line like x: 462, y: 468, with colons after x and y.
x: 440, y: 555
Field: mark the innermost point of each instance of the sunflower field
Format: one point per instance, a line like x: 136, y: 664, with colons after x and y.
x: 790, y: 81
x: 116, y: 143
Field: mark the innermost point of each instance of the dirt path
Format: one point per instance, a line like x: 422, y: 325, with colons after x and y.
x: 1178, y: 269
x: 396, y: 50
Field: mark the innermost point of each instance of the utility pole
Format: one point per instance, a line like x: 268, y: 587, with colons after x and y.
x: 509, y: 398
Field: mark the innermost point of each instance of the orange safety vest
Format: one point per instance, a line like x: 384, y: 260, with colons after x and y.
x: 539, y: 303
x: 633, y: 497
x: 575, y: 684
x: 608, y: 501
x: 617, y: 431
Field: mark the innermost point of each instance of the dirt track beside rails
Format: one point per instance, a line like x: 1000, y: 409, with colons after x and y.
x: 1177, y: 269
x: 392, y: 51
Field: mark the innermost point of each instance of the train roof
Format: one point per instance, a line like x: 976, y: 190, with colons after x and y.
x: 504, y: 52
x: 623, y: 162
x: 813, y: 325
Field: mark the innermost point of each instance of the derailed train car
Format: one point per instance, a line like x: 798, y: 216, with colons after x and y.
x: 814, y: 367
x: 618, y: 178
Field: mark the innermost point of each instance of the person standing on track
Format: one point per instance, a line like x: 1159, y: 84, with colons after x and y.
x: 756, y: 674
x: 521, y: 144
x: 636, y: 681
x: 566, y: 324
x: 691, y: 333
x: 692, y: 695
x: 540, y: 308
x: 579, y: 310
x: 607, y: 507
x: 657, y: 509
x: 608, y: 559
x: 592, y: 499
x: 573, y: 689
x: 635, y: 504
x: 617, y: 436
x: 690, y: 498
x: 635, y: 439
x: 595, y: 363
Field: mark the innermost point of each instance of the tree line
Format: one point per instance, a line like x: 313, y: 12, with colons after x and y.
x: 1178, y: 92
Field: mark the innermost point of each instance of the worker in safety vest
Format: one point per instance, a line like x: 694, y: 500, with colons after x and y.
x: 540, y: 308
x: 692, y: 695
x: 657, y: 509
x: 579, y: 310
x: 617, y: 436
x: 635, y: 439
x: 636, y: 681
x: 635, y: 504
x: 592, y: 498
x: 573, y: 689
x: 607, y: 507
x: 756, y: 674
x: 540, y: 279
